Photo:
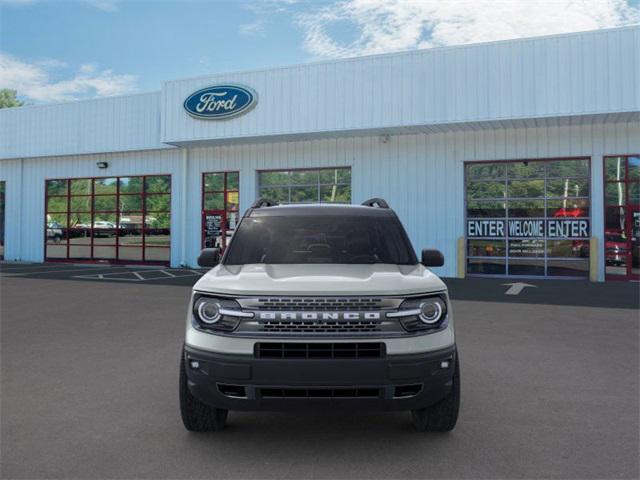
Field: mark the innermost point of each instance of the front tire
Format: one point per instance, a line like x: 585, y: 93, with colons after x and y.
x: 198, y: 416
x: 442, y: 416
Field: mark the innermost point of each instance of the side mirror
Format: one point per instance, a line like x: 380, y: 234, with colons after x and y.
x: 432, y: 258
x: 209, y: 257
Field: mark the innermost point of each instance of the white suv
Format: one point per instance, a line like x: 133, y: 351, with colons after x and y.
x: 319, y: 306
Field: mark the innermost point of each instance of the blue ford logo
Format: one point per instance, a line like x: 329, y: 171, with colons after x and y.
x: 220, y: 101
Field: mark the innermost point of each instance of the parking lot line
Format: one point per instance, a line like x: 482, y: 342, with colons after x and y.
x: 36, y: 271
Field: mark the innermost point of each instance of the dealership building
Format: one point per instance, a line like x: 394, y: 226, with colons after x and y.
x: 516, y: 158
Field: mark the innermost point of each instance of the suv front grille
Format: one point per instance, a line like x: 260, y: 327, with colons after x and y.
x: 319, y: 350
x: 319, y: 304
x: 320, y: 326
x: 319, y: 392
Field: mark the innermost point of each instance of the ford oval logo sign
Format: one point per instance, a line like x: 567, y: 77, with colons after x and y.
x: 220, y: 102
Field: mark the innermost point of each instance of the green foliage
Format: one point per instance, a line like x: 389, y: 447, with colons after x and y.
x: 8, y: 98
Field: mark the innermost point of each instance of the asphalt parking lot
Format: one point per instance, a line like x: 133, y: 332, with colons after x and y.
x: 89, y: 388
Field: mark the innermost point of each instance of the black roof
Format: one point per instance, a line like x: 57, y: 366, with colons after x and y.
x: 321, y: 209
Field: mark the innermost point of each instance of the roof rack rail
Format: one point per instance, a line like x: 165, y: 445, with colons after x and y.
x: 263, y: 202
x: 376, y: 202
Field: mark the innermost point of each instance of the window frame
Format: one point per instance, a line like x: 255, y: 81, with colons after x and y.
x: 145, y: 249
x: 225, y: 204
x: 545, y: 177
x: 627, y: 206
x: 318, y: 184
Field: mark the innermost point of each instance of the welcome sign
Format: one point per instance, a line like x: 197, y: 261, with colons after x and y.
x: 528, y: 228
x: 220, y: 102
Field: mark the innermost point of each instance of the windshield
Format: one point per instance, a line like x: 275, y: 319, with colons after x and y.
x: 320, y: 239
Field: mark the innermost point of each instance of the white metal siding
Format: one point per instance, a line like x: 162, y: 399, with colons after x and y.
x: 112, y: 124
x: 25, y: 230
x: 421, y: 175
x: 558, y: 76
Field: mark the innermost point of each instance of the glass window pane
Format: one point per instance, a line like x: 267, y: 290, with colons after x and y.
x: 152, y: 254
x: 614, y: 219
x: 486, y: 266
x: 634, y: 193
x: 233, y: 180
x: 56, y: 250
x: 573, y: 208
x: 232, y: 200
x: 615, y: 193
x: 80, y: 251
x: 81, y: 204
x: 104, y: 252
x: 273, y: 178
x: 105, y: 186
x: 158, y: 203
x: 486, y: 248
x: 304, y: 194
x: 519, y: 266
x: 213, y: 182
x: 157, y: 237
x: 130, y: 203
x: 81, y: 186
x: 335, y: 175
x: 614, y: 168
x: 526, y: 169
x: 525, y: 208
x: 486, y: 190
x: 634, y: 168
x: 56, y: 232
x: 57, y: 219
x: 214, y: 201
x: 526, y: 248
x: 568, y: 188
x: 564, y: 268
x: 486, y: 171
x: 277, y: 194
x: 130, y: 234
x: 158, y: 184
x: 57, y: 204
x: 485, y: 209
x: 130, y: 185
x: 335, y: 194
x: 104, y: 221
x: 105, y: 203
x: 525, y: 188
x: 158, y: 220
x: 103, y: 236
x: 56, y: 187
x: 80, y: 220
x: 132, y: 254
x: 568, y: 248
x: 568, y: 168
x: 80, y: 235
x: 304, y: 177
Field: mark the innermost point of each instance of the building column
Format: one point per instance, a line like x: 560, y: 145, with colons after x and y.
x: 597, y: 211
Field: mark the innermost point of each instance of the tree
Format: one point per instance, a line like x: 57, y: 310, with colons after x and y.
x: 8, y: 98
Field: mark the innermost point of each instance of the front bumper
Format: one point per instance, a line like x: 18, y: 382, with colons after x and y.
x: 394, y: 382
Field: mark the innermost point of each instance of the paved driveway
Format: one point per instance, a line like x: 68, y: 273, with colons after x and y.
x: 89, y: 390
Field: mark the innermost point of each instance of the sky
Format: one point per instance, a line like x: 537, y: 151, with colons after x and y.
x: 55, y: 50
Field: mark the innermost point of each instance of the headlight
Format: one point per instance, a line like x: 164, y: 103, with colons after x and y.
x: 426, y: 313
x: 431, y: 310
x: 217, y: 313
x: 208, y: 310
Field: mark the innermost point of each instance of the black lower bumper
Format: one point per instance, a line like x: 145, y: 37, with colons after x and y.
x: 240, y: 382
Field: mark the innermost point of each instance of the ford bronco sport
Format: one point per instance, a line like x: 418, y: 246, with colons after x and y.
x: 319, y: 305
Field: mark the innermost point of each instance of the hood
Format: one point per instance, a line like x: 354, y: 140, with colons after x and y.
x: 319, y: 279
